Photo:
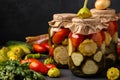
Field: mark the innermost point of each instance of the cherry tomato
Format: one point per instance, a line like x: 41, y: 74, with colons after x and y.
x: 59, y: 36
x: 51, y: 49
x: 98, y: 38
x: 118, y: 49
x: 76, y: 39
x: 113, y: 27
x: 39, y: 48
x: 49, y: 66
x: 46, y: 45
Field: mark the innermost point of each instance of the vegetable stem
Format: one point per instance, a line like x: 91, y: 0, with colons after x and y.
x: 85, y: 4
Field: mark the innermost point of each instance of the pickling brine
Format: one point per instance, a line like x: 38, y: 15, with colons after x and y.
x: 58, y: 36
x: 86, y: 47
x: 109, y: 18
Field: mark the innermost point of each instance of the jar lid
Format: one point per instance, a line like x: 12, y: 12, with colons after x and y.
x: 61, y: 19
x: 63, y: 16
x: 105, y: 15
x: 85, y: 26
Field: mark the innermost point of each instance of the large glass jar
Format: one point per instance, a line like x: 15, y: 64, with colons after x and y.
x: 58, y: 36
x: 86, y: 47
x: 109, y: 18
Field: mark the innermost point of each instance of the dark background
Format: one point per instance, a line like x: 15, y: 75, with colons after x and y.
x: 21, y: 18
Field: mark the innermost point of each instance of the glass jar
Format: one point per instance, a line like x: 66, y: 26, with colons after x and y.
x: 86, y: 47
x: 109, y: 18
x: 58, y: 36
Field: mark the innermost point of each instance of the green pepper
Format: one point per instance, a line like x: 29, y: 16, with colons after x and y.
x: 35, y: 55
x: 84, y: 12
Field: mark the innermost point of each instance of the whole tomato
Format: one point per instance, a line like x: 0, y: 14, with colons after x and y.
x: 113, y: 27
x: 51, y: 50
x: 118, y: 49
x: 60, y: 35
x: 76, y: 39
x: 40, y: 48
x: 49, y: 66
x: 98, y: 37
x: 36, y: 65
x: 46, y: 45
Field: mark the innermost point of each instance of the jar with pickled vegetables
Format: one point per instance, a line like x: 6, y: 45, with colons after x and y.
x: 86, y: 47
x: 58, y: 36
x: 109, y: 18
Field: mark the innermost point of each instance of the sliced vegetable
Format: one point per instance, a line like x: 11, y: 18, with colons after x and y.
x: 61, y: 55
x: 65, y: 42
x: 103, y: 47
x: 77, y: 58
x: 98, y: 56
x: 54, y: 72
x: 108, y: 38
x: 113, y: 73
x: 111, y: 56
x: 84, y: 12
x: 90, y: 67
x: 87, y: 47
x: 115, y: 37
x: 70, y: 47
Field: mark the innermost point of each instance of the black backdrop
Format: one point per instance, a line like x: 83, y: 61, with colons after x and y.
x: 21, y: 18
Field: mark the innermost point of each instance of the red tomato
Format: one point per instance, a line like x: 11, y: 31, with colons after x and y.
x: 39, y: 48
x: 59, y: 36
x: 113, y: 27
x: 118, y: 50
x: 98, y: 38
x: 46, y: 45
x: 27, y: 60
x: 76, y: 39
x: 49, y: 66
x: 51, y: 49
x: 36, y: 65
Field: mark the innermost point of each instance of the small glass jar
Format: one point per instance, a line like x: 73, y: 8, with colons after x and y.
x: 86, y: 47
x: 109, y: 18
x: 58, y: 36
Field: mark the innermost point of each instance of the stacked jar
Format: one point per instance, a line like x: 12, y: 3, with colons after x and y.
x: 58, y: 36
x: 86, y: 46
x: 109, y: 18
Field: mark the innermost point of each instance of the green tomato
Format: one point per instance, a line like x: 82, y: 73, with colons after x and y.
x: 53, y: 72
